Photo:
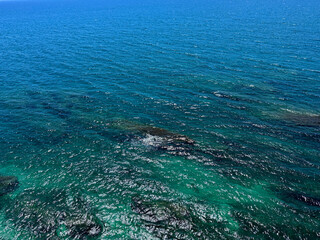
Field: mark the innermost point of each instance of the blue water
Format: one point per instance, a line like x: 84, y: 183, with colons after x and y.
x: 160, y: 119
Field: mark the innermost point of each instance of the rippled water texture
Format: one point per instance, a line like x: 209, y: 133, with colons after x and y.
x: 160, y: 120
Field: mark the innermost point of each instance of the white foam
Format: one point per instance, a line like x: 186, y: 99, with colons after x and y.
x: 152, y: 141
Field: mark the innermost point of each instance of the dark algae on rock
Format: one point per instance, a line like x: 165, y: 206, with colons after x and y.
x: 154, y: 137
x: 311, y: 201
x: 302, y: 198
x: 303, y: 120
x: 172, y: 220
x: 8, y: 184
x: 140, y: 128
x: 54, y: 214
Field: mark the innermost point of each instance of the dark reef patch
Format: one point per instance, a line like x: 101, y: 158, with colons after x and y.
x: 294, y: 196
x: 56, y: 110
x: 253, y: 226
x: 44, y: 136
x: 311, y: 201
x: 168, y: 220
x: 304, y: 120
x: 54, y: 214
x: 155, y: 137
x: 136, y: 127
x: 8, y: 184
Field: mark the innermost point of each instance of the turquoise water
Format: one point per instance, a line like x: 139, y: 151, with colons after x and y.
x: 160, y: 120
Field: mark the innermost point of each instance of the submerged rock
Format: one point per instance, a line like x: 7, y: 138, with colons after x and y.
x: 168, y: 220
x: 54, y: 215
x: 8, y: 184
x: 306, y: 120
x: 311, y: 201
x: 167, y: 135
x: 303, y: 198
x: 56, y: 110
x: 152, y: 130
x: 295, y: 196
x: 155, y: 137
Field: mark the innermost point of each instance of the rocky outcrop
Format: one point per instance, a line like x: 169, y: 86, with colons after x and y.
x: 155, y: 137
x: 169, y: 220
x: 305, y: 120
x: 8, y: 184
x: 54, y: 214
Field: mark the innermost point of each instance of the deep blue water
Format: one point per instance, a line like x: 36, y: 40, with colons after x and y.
x: 160, y: 119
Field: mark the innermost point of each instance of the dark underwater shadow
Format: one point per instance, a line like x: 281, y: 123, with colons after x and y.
x: 303, y: 120
x: 54, y: 214
x: 8, y: 184
x: 166, y: 219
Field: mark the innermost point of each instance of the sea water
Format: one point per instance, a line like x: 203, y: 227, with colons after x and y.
x: 160, y: 119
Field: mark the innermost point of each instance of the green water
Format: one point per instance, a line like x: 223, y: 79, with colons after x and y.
x: 149, y: 120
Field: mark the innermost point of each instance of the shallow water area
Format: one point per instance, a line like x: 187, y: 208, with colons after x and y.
x: 159, y: 120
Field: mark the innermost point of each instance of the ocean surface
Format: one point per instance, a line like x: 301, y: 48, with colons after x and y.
x: 160, y: 119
